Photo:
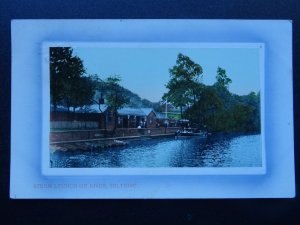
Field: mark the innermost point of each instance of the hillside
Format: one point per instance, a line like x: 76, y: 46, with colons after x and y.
x: 135, y: 100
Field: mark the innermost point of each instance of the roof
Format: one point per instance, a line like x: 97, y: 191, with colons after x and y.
x: 147, y: 111
x: 59, y: 108
x: 86, y: 109
x: 93, y: 108
x: 123, y: 112
x: 131, y: 111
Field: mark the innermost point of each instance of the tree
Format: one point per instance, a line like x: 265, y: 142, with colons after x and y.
x: 218, y: 110
x: 183, y: 85
x: 242, y: 117
x: 221, y: 87
x: 223, y: 80
x: 204, y: 113
x: 68, y: 84
x: 177, y: 94
x: 86, y: 87
x: 59, y: 60
x: 115, y: 96
x: 252, y: 101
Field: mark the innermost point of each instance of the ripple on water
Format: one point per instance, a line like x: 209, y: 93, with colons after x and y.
x: 239, y: 151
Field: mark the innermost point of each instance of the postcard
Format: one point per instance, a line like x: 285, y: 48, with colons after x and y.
x: 150, y: 115
x: 154, y: 108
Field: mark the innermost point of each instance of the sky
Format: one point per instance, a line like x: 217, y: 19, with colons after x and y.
x: 145, y: 71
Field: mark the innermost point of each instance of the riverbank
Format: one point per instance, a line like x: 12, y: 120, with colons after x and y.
x: 101, y: 143
x: 233, y: 133
x: 85, y: 145
x: 96, y: 134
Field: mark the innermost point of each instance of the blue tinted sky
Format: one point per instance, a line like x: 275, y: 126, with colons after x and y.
x: 145, y: 71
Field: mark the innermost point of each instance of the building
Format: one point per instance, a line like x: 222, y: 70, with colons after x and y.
x: 101, y: 117
x: 89, y: 117
x: 136, y: 118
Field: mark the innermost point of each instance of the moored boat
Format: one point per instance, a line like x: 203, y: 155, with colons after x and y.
x: 190, y: 133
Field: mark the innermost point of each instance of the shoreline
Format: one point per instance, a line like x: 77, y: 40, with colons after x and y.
x: 106, y: 143
x: 101, y: 143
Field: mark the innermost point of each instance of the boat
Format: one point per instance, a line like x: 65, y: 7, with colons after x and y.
x: 190, y: 133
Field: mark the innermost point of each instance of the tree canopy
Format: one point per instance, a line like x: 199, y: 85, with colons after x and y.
x: 218, y: 110
x: 183, y: 86
x: 213, y: 107
x: 115, y: 96
x: 222, y: 79
x: 69, y: 86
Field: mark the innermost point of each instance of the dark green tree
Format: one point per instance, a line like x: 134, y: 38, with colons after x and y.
x: 223, y: 80
x: 85, y: 91
x: 59, y: 64
x: 221, y: 86
x: 116, y: 96
x: 183, y: 85
x: 68, y: 84
x: 242, y: 117
x: 177, y: 94
x: 218, y: 110
x: 252, y: 101
x: 204, y: 113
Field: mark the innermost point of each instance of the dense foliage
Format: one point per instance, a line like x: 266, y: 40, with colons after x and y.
x: 221, y: 111
x: 72, y: 88
x: 183, y: 84
x: 212, y: 108
x: 115, y: 96
x: 69, y: 86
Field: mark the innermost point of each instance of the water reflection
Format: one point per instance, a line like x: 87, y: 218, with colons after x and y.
x: 238, y: 151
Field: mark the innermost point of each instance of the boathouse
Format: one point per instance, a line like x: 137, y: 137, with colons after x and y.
x: 136, y: 118
x: 101, y: 117
x: 88, y: 117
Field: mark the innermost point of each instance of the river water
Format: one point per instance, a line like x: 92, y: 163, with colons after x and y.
x: 215, y: 151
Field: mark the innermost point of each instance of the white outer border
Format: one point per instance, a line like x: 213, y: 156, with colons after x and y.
x: 26, y: 178
x: 145, y: 171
